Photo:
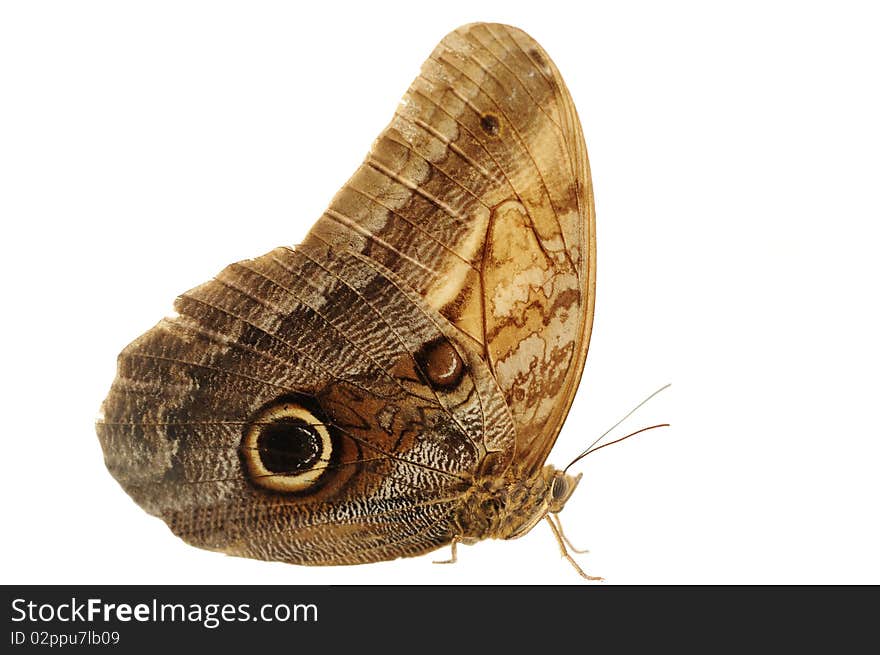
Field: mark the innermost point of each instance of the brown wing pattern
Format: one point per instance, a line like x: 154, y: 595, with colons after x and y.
x: 478, y: 195
x: 334, y: 402
x: 340, y: 335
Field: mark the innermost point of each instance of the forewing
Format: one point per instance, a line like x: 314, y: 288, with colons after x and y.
x: 478, y: 195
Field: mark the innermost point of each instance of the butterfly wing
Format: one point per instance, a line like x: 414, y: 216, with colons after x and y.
x: 479, y: 195
x: 332, y: 403
x: 328, y: 337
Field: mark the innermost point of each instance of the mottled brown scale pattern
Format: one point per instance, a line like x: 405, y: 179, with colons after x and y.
x: 427, y: 338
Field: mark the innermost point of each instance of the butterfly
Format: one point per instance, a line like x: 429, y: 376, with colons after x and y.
x: 394, y: 383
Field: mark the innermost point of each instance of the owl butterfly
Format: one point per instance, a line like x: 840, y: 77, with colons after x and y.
x: 396, y: 382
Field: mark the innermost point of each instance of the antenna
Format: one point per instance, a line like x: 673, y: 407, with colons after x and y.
x: 590, y: 448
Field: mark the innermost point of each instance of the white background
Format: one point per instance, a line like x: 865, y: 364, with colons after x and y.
x: 143, y: 146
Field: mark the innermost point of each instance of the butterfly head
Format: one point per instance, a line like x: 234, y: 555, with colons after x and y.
x: 562, y: 486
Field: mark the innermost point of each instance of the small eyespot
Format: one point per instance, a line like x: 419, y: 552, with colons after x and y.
x: 538, y: 58
x: 441, y: 364
x: 490, y: 124
x: 286, y: 448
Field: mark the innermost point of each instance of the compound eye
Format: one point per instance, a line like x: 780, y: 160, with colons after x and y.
x: 286, y: 448
x: 560, y: 488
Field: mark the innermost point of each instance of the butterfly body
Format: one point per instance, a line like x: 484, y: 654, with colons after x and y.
x: 394, y: 383
x: 507, y: 508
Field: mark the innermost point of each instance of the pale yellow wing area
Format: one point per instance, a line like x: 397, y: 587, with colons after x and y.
x: 478, y: 196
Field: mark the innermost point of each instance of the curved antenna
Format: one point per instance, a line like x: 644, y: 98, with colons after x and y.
x: 590, y: 449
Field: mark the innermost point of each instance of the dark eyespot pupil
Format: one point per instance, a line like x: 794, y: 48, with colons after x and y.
x: 288, y: 446
x: 490, y: 124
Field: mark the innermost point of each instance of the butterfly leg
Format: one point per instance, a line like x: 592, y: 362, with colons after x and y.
x: 454, y: 558
x: 560, y: 540
x: 579, y: 551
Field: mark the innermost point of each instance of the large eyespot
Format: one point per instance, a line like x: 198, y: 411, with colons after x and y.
x: 286, y: 448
